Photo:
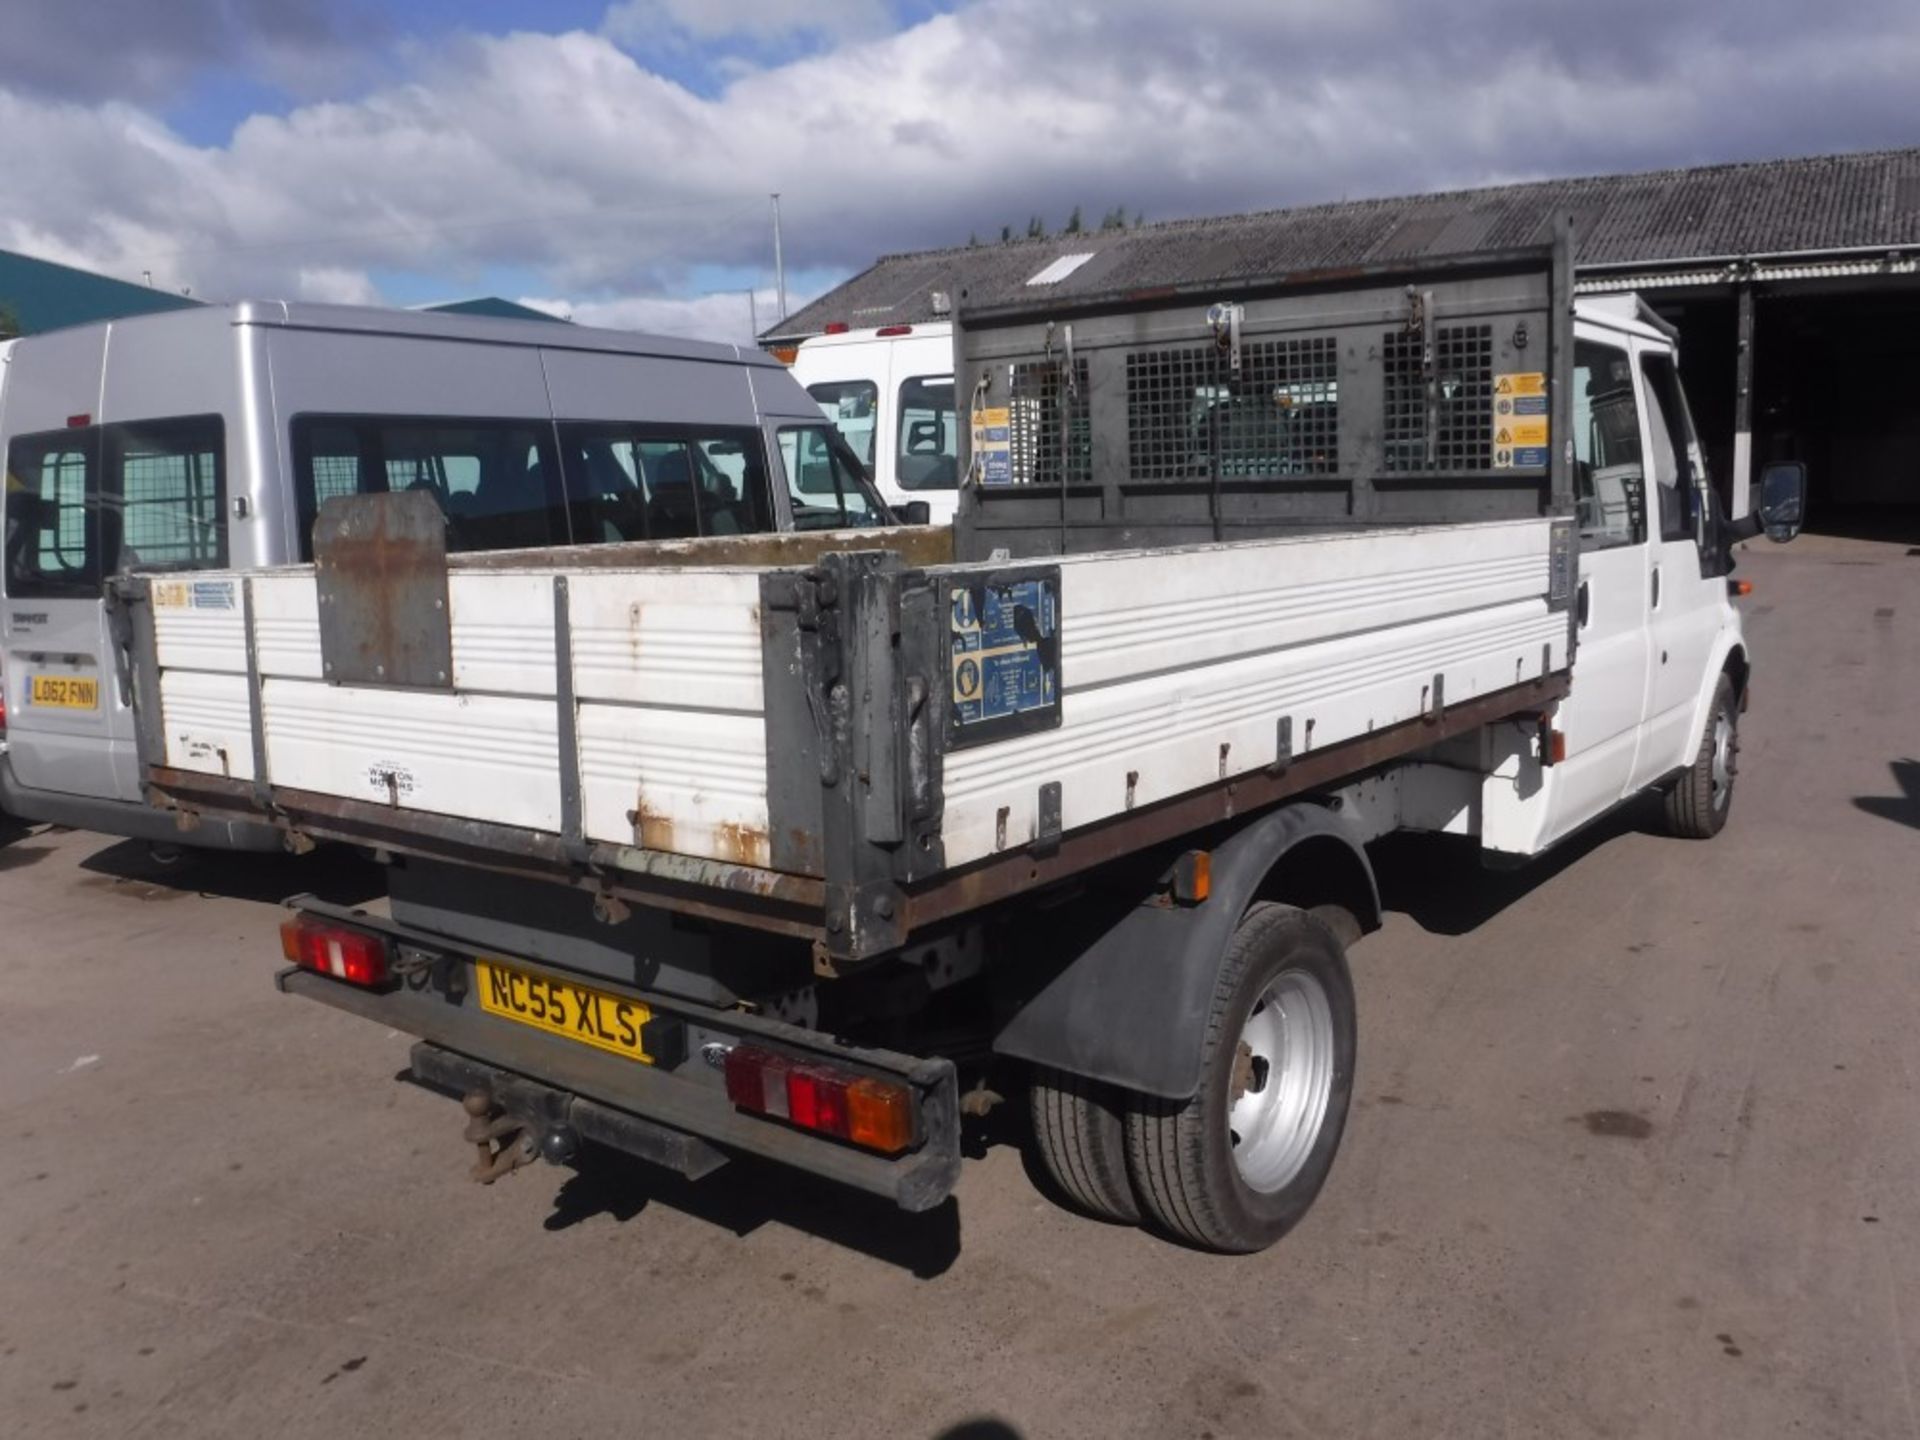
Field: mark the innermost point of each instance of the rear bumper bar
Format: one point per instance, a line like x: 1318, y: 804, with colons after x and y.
x: 678, y: 1117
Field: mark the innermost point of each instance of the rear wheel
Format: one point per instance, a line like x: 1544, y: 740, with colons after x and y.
x: 1236, y: 1165
x: 1081, y: 1137
x: 1697, y: 803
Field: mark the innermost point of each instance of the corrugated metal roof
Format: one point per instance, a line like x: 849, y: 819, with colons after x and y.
x: 1691, y: 217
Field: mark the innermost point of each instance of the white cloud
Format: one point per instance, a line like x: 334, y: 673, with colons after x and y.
x: 564, y: 158
x: 336, y: 285
x: 724, y: 315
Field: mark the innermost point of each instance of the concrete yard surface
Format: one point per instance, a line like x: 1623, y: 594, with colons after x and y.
x: 1635, y: 1152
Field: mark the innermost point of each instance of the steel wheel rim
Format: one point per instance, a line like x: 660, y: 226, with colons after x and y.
x: 1282, y: 1080
x: 1722, y: 767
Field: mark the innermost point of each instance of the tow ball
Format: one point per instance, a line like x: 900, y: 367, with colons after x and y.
x: 504, y: 1142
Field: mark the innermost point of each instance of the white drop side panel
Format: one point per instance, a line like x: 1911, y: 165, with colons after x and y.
x: 672, y: 729
x: 477, y: 757
x: 208, y: 723
x: 1177, y: 665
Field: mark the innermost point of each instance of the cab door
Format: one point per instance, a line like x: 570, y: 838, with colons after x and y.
x: 1687, y: 600
x: 1601, y: 718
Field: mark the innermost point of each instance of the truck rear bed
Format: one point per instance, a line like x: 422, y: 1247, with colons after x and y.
x: 855, y: 738
x: 679, y: 719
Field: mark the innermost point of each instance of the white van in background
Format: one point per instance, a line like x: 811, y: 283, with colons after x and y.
x: 890, y: 391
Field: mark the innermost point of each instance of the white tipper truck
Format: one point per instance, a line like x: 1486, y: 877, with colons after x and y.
x: 802, y: 847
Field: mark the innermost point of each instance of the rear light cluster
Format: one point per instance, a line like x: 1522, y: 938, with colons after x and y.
x: 350, y: 955
x: 873, y: 1114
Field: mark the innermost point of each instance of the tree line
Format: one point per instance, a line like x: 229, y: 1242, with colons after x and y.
x: 1114, y: 219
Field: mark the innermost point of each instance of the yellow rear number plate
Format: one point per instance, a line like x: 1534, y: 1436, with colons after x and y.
x: 561, y: 1007
x: 65, y: 692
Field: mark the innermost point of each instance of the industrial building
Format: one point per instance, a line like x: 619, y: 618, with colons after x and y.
x: 1795, y: 285
x: 38, y: 295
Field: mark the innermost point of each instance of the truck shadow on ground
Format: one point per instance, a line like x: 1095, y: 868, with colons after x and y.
x: 1902, y: 809
x: 334, y: 873
x: 749, y: 1193
x: 1441, y: 884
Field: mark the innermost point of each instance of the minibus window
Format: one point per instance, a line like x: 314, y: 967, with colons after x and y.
x: 53, y: 515
x: 664, y: 482
x: 496, y: 481
x: 170, y: 483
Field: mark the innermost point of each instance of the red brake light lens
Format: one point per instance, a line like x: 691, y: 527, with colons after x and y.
x: 835, y: 327
x: 886, y: 332
x: 871, y: 1113
x: 350, y: 955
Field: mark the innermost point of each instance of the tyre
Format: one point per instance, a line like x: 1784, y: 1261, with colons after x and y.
x: 1078, y: 1129
x: 1235, y: 1166
x: 1697, y: 803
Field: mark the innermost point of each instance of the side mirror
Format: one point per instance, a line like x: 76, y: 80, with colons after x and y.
x: 1782, y: 507
x: 914, y: 512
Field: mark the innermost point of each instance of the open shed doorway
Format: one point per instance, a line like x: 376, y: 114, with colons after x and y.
x: 1837, y: 384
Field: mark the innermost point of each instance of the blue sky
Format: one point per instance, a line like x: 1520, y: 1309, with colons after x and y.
x: 612, y: 158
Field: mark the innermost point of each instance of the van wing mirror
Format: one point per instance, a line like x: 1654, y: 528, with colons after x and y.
x: 914, y: 512
x: 1782, y: 507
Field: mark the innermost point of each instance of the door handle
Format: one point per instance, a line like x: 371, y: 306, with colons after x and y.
x: 1582, y: 605
x: 1656, y: 587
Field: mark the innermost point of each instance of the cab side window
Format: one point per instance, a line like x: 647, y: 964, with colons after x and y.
x: 929, y: 442
x: 1671, y: 434
x: 825, y: 486
x: 1609, y: 478
x: 854, y: 407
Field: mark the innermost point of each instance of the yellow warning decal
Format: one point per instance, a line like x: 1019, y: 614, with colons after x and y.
x: 1521, y: 382
x: 1520, y: 420
x: 993, y: 445
x: 171, y: 595
x: 1521, y: 432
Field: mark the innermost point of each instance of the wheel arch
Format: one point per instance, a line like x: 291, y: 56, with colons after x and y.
x: 1129, y: 1007
x: 1736, y: 665
x: 1729, y: 658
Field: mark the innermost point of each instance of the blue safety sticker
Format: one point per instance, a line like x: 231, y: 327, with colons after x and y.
x: 1004, y: 650
x: 213, y: 594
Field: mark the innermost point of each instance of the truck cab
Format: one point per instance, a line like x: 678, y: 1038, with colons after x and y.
x: 1655, y: 626
x: 890, y: 392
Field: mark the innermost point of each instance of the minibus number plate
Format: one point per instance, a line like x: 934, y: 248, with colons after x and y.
x: 65, y: 692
